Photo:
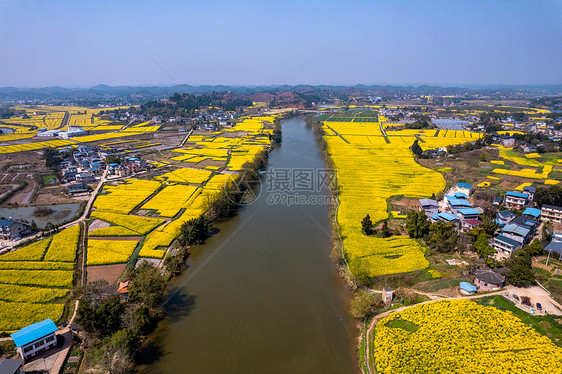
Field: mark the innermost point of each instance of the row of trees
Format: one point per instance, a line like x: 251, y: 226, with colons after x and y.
x: 186, y: 104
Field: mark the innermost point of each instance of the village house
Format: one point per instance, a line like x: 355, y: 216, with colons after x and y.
x: 468, y: 213
x: 530, y: 191
x: 529, y: 148
x: 488, y: 280
x: 35, y: 338
x: 469, y: 224
x: 431, y: 207
x: 78, y: 188
x: 446, y: 217
x: 10, y: 230
x: 467, y: 288
x: 551, y: 213
x: 555, y: 249
x: 387, y: 295
x: 85, y: 177
x: 515, y: 199
x: 455, y: 203
x: 519, y: 233
x: 506, y: 245
x: 504, y: 217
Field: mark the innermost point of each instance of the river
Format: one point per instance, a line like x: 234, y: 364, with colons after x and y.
x: 262, y: 295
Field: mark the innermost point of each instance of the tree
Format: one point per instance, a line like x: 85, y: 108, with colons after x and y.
x: 385, y: 231
x: 489, y: 226
x: 196, y: 230
x: 416, y: 149
x: 535, y: 248
x: 521, y: 270
x: 111, y: 159
x: 442, y: 237
x: 361, y: 304
x: 482, y: 247
x: 367, y: 225
x: 417, y: 224
x: 546, y: 231
x: 103, y: 318
x: 484, y: 156
x: 551, y: 195
x: 147, y: 286
x: 276, y: 135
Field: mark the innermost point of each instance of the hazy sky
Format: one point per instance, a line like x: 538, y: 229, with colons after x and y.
x: 240, y: 42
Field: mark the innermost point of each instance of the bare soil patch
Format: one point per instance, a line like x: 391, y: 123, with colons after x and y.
x: 98, y: 224
x: 108, y: 273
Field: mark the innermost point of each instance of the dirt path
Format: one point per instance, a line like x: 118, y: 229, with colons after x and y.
x: 29, y: 196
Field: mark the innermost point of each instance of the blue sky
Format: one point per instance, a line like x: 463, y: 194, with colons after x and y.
x: 83, y: 43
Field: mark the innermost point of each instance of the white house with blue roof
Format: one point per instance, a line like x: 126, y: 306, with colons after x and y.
x: 35, y: 338
x: 465, y: 188
x: 515, y: 199
x: 518, y: 233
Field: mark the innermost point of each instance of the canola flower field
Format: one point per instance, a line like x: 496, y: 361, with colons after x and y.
x: 369, y: 172
x: 179, y: 194
x: 468, y: 338
x: 33, y: 278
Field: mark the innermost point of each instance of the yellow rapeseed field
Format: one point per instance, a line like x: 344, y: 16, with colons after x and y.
x: 104, y: 252
x: 125, y: 197
x: 467, y: 338
x: 369, y: 172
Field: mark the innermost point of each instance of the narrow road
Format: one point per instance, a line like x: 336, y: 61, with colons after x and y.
x: 186, y: 137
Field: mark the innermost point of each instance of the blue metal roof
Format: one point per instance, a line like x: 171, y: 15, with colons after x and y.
x: 460, y: 195
x: 533, y: 212
x: 459, y: 202
x: 516, y: 229
x: 468, y: 211
x: 33, y: 332
x: 468, y: 287
x: 465, y: 185
x: 446, y: 216
x: 516, y: 194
